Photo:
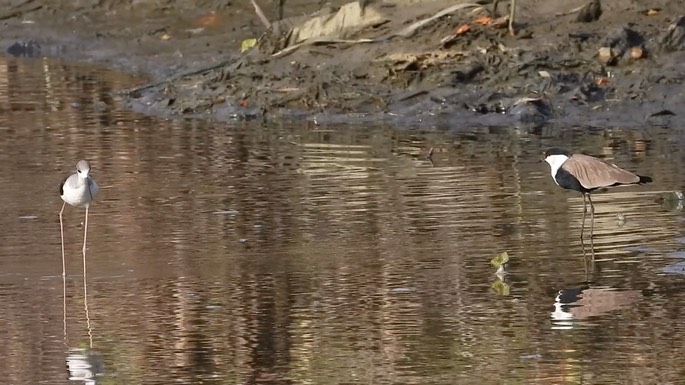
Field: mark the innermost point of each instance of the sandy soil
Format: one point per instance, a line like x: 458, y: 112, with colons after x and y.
x: 624, y: 69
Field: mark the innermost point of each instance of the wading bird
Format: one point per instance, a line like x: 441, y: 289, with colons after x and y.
x: 586, y: 174
x: 78, y: 190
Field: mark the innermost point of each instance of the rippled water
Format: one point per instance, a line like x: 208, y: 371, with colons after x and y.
x: 304, y: 254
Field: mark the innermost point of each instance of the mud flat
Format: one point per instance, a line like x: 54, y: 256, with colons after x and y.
x: 411, y: 62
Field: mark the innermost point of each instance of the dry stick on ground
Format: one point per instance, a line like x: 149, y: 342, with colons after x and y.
x: 512, y: 15
x: 261, y: 15
x: 574, y: 10
x: 407, y: 32
x: 281, y: 7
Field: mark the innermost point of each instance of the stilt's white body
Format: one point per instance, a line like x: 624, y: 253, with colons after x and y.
x: 79, y: 189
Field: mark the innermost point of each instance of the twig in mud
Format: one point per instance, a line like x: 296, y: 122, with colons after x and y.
x: 172, y: 79
x: 261, y: 15
x: 21, y: 12
x: 412, y: 28
x: 281, y: 7
x: 412, y: 95
x: 512, y: 16
x: 319, y: 40
x: 574, y: 10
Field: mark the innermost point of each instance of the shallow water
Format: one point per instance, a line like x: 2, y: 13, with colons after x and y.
x: 305, y: 254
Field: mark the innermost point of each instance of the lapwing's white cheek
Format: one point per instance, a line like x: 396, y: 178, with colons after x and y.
x: 555, y: 162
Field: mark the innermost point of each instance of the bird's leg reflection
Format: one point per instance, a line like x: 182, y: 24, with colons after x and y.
x: 85, y: 305
x: 64, y: 307
x: 83, y: 364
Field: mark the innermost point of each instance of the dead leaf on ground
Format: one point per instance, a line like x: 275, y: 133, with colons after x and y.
x: 652, y: 11
x: 500, y: 22
x: 545, y: 74
x: 462, y: 29
x: 488, y: 21
x: 247, y: 44
x: 208, y: 20
x: 484, y: 20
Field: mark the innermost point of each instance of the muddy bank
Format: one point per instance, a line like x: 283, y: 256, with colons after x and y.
x: 614, y: 64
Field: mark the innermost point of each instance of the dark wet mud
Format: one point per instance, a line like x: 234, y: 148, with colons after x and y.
x: 619, y: 64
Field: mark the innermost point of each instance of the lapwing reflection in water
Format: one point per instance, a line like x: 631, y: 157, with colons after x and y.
x: 579, y: 304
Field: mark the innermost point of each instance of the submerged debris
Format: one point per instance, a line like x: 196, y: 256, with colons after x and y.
x: 500, y: 259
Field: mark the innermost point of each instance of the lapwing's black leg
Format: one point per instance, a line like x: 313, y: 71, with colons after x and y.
x: 582, y: 227
x: 592, y: 227
x: 592, y: 217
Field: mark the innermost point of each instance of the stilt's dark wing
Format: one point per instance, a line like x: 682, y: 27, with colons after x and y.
x: 593, y: 173
x: 61, y: 185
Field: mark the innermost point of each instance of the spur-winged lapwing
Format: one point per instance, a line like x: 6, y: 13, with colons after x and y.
x: 586, y: 174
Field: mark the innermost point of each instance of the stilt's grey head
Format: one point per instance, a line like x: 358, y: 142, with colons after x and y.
x: 555, y: 157
x: 83, y: 168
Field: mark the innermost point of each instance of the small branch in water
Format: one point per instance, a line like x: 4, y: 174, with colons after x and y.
x: 430, y: 154
x: 261, y: 15
x: 429, y: 157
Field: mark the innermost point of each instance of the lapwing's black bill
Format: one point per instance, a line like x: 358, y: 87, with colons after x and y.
x: 585, y: 174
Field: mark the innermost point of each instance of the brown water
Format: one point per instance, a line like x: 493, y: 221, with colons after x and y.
x: 303, y: 254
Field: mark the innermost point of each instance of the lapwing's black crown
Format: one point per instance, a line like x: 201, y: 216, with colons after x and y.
x: 557, y: 151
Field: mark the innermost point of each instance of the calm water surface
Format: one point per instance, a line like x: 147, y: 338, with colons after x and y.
x: 304, y: 254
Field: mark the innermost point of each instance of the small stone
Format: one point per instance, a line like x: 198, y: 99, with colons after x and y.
x: 607, y: 55
x: 637, y: 53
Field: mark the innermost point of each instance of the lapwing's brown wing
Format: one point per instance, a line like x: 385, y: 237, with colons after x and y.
x: 593, y: 173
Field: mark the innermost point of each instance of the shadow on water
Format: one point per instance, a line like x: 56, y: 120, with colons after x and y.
x: 296, y: 253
